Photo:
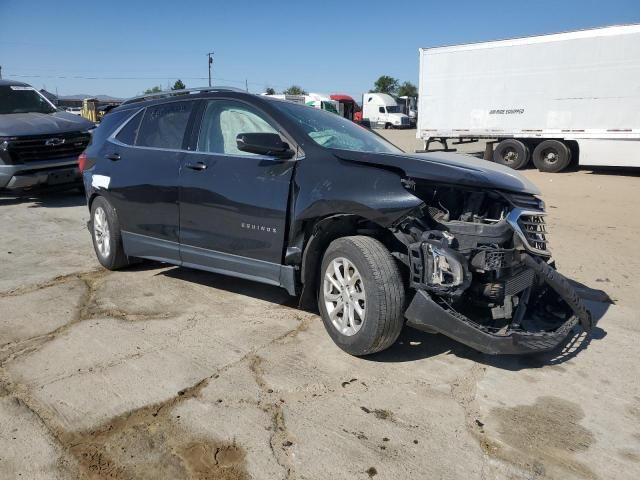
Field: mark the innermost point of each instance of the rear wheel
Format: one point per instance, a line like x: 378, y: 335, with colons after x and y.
x: 105, y: 232
x: 551, y: 156
x: 511, y: 153
x: 361, y: 295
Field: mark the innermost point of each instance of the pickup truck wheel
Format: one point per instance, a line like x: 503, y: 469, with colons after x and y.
x: 105, y: 232
x: 361, y: 295
x: 511, y: 153
x: 551, y: 156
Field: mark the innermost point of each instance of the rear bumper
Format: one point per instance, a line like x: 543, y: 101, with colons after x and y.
x: 37, y: 174
x: 426, y: 314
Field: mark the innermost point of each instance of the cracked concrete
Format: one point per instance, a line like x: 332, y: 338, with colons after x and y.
x: 161, y: 372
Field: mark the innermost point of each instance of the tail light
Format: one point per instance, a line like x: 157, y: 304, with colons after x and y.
x: 83, y: 162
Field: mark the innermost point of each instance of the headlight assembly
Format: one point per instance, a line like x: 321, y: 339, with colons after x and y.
x: 442, y: 268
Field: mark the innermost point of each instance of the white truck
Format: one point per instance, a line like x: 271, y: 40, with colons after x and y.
x: 380, y: 110
x: 547, y: 98
x: 315, y: 100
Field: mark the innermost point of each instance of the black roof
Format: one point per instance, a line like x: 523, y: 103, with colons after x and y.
x: 191, y: 94
x: 15, y: 83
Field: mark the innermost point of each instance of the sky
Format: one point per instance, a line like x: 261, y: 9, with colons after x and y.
x: 120, y: 48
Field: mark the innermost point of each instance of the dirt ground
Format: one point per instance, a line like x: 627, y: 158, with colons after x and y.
x: 163, y: 372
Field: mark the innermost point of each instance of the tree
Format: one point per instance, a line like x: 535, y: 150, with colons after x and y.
x: 407, y: 89
x: 270, y: 91
x: 385, y: 84
x: 294, y: 90
x: 178, y: 85
x: 151, y: 90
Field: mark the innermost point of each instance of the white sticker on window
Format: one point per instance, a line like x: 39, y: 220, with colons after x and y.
x: 18, y: 87
x: 100, y: 181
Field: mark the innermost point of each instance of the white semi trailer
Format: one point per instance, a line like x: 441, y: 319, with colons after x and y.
x: 548, y: 98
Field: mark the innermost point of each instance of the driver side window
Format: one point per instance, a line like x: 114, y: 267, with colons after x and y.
x: 223, y: 121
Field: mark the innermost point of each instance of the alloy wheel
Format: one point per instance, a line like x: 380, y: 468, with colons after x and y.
x: 101, y: 232
x: 344, y: 296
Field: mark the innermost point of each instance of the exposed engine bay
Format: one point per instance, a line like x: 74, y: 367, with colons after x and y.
x: 483, y: 258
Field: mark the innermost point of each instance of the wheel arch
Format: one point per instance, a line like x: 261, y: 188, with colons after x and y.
x: 320, y: 233
x: 92, y: 199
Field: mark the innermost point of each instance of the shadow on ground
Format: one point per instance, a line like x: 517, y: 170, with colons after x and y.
x: 45, y: 198
x: 238, y: 286
x: 413, y: 345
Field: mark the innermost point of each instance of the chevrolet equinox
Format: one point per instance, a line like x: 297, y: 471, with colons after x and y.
x: 288, y: 195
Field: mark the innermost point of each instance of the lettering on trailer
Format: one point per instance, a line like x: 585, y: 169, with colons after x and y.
x: 513, y: 111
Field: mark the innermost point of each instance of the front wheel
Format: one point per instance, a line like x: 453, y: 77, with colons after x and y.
x: 105, y: 232
x: 361, y: 295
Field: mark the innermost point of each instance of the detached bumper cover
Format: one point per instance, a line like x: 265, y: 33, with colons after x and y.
x: 425, y: 314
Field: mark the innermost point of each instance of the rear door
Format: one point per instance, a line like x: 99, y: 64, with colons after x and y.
x: 233, y: 204
x: 145, y: 157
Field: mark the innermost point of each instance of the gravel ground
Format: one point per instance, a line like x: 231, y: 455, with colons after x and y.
x: 163, y: 372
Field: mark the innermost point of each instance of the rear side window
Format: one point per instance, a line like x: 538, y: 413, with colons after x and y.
x: 108, y: 125
x: 129, y: 132
x: 164, y: 126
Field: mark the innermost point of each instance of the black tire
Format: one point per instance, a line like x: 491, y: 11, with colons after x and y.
x: 115, y: 257
x: 511, y: 153
x: 384, y: 295
x: 551, y: 156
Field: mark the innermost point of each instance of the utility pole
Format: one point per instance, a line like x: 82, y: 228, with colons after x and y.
x: 246, y: 85
x: 0, y: 72
x: 210, y: 55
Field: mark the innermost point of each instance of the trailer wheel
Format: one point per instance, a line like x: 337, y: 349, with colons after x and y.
x: 551, y: 156
x: 511, y: 153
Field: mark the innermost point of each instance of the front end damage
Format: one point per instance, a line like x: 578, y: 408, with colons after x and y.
x: 482, y: 272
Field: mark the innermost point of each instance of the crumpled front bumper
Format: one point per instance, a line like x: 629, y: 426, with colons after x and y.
x: 424, y: 313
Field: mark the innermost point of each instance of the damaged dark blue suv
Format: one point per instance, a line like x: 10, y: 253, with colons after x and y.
x: 288, y: 195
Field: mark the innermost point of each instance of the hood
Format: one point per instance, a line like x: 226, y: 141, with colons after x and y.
x: 397, y: 116
x: 451, y: 168
x: 24, y: 124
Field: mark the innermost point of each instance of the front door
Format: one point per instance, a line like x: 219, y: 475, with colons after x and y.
x: 233, y: 204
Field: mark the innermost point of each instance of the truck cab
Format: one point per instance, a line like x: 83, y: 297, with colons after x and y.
x: 347, y: 106
x: 380, y: 110
x: 39, y: 144
x: 323, y: 102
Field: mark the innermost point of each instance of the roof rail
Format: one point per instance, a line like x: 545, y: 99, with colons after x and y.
x: 172, y: 93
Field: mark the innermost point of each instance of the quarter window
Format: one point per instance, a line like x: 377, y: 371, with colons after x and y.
x: 129, y: 132
x: 223, y: 121
x: 164, y: 126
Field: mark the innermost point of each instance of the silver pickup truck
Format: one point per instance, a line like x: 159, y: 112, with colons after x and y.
x: 39, y: 145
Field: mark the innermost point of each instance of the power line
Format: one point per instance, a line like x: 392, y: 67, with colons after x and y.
x: 152, y: 78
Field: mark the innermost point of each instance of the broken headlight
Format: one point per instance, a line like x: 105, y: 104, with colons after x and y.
x: 443, y: 269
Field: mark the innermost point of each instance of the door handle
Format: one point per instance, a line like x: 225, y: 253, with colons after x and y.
x: 113, y: 156
x: 196, y: 166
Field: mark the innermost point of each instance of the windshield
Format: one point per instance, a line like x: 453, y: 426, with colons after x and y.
x: 393, y: 109
x: 19, y: 99
x: 333, y: 131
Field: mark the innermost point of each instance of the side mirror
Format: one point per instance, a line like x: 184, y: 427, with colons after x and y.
x: 264, y: 144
